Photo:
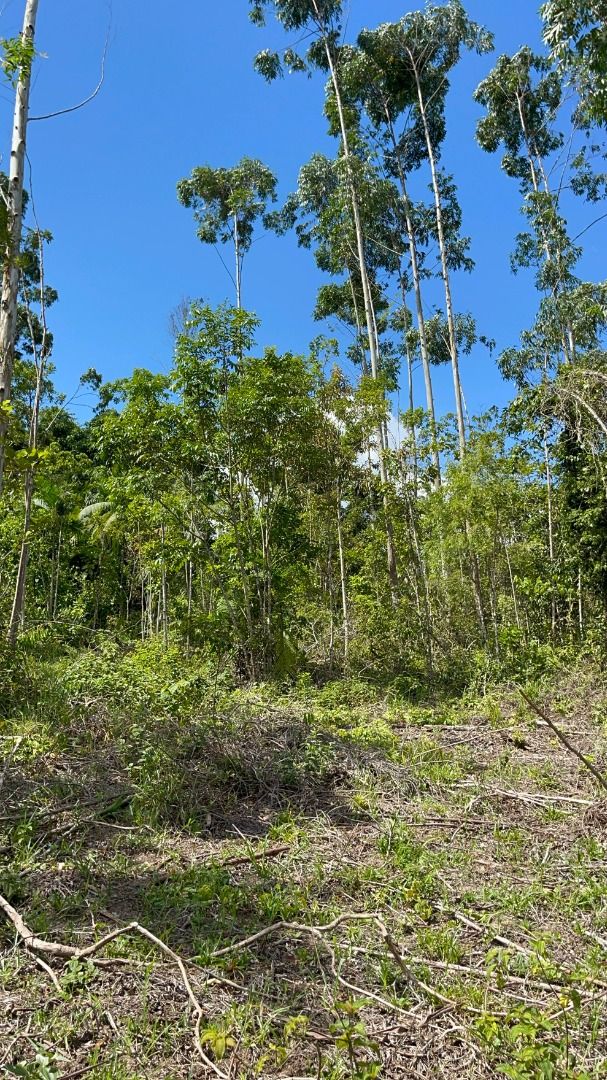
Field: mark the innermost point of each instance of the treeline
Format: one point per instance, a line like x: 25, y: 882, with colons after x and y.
x: 256, y: 504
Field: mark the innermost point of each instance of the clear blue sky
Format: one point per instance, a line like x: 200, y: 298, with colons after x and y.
x: 180, y: 91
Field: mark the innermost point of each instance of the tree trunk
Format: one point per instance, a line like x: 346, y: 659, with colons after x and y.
x: 459, y: 404
x: 14, y: 223
x: 512, y: 581
x: 369, y: 313
x: 550, y: 534
x: 411, y: 395
x: 143, y: 609
x: 423, y: 575
x: 419, y: 307
x: 344, y: 587
x: 580, y: 604
x: 536, y: 165
x: 40, y: 358
x: 412, y: 428
x: 164, y: 593
x: 238, y: 264
x: 18, y: 607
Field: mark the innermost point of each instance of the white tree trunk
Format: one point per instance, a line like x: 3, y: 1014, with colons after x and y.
x: 40, y: 360
x: 459, y: 404
x: 344, y: 585
x: 18, y: 608
x: 10, y: 274
x: 369, y: 319
x: 238, y: 260
x: 419, y: 307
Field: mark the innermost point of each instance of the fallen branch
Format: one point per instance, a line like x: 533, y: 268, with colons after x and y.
x: 49, y: 971
x: 54, y: 948
x: 318, y: 932
x: 532, y: 798
x: 482, y: 973
x: 497, y: 939
x: 255, y: 856
x: 602, y: 780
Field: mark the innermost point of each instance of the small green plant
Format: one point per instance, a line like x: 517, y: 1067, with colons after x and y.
x: 218, y: 1040
x: 77, y: 974
x: 440, y: 944
x: 351, y: 1037
x: 41, y: 1068
x: 529, y: 1045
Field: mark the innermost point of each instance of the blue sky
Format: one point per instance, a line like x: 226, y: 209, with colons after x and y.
x: 180, y: 91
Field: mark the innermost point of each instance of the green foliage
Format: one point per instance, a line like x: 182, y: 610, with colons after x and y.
x: 575, y: 32
x: 18, y: 57
x: 40, y: 1069
x: 534, y: 1046
x: 227, y: 204
x: 77, y: 975
x: 227, y: 520
x: 139, y: 679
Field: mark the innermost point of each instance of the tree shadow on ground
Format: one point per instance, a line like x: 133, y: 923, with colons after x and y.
x: 73, y: 821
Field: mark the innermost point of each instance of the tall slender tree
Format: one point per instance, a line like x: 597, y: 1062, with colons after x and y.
x: 19, y: 58
x: 321, y: 20
x: 522, y: 96
x: 367, y: 79
x: 36, y: 297
x: 227, y: 204
x: 420, y: 51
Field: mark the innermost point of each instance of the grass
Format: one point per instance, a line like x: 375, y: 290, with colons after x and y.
x: 149, y: 790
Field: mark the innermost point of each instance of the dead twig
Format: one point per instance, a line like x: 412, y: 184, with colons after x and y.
x: 391, y: 946
x: 533, y: 798
x: 602, y: 780
x: 255, y: 856
x: 49, y: 971
x: 318, y: 933
x: 78, y: 1072
x: 498, y: 939
x: 482, y: 973
x: 36, y: 945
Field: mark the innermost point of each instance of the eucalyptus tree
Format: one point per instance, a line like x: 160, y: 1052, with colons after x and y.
x: 320, y: 22
x: 18, y: 62
x: 320, y: 212
x: 416, y: 56
x: 366, y: 79
x: 522, y: 97
x: 576, y: 33
x: 227, y: 205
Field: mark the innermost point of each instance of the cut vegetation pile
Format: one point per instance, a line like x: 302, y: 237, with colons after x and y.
x: 324, y: 884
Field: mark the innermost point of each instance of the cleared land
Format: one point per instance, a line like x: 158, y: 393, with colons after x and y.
x: 455, y: 856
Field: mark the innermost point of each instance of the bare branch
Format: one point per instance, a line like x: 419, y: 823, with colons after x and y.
x: 563, y: 739
x: 87, y: 100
